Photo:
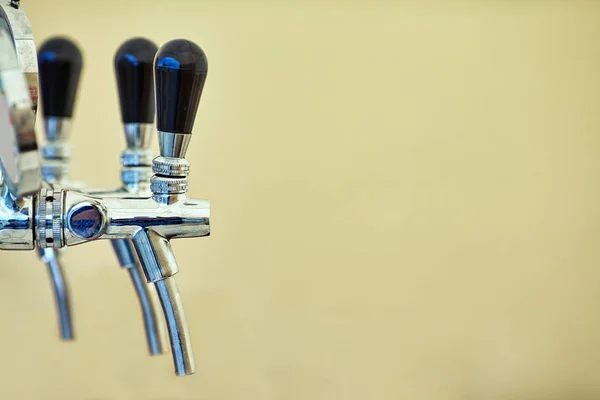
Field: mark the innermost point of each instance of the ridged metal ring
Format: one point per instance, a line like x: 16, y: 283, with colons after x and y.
x: 136, y: 158
x: 166, y: 185
x: 49, y: 219
x: 135, y: 175
x: 168, y: 166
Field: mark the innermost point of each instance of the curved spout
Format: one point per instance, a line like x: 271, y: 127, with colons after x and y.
x: 155, y: 335
x: 61, y: 291
x: 155, y: 251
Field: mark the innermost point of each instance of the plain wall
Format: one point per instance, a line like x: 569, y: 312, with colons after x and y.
x: 404, y: 206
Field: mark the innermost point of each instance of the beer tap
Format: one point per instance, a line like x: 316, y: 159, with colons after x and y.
x: 71, y: 218
x: 54, y: 217
x: 133, y: 64
x: 60, y: 64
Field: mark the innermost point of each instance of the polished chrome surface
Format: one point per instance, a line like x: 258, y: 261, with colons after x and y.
x: 61, y: 291
x: 22, y: 36
x: 136, y: 179
x: 20, y: 161
x: 151, y: 225
x: 55, y: 171
x: 57, y: 129
x: 171, y: 166
x: 49, y: 219
x: 136, y: 158
x: 16, y: 221
x: 173, y: 144
x: 154, y: 250
x: 155, y: 332
x: 170, y: 178
x: 181, y: 345
x: 138, y: 135
x: 56, y: 150
x: 155, y: 335
x: 161, y: 185
x: 124, y: 217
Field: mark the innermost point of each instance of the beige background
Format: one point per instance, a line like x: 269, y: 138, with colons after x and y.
x: 404, y: 206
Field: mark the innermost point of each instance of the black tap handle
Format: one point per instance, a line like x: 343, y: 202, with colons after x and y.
x: 180, y: 72
x: 59, y: 65
x: 134, y: 64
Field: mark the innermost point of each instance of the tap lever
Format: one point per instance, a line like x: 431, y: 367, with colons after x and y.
x: 60, y: 64
x: 180, y: 70
x: 134, y: 61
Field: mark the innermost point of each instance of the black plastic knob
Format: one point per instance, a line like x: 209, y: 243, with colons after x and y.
x: 59, y: 64
x: 134, y: 63
x: 180, y: 72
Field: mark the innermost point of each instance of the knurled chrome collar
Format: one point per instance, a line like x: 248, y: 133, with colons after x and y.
x: 168, y: 166
x: 167, y: 185
x: 49, y: 218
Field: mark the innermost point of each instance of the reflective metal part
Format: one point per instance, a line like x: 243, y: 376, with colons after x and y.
x: 61, y: 291
x: 57, y: 128
x: 151, y: 225
x: 138, y: 135
x: 16, y: 222
x: 155, y: 251
x: 15, y: 21
x: 173, y: 144
x: 170, y: 166
x: 136, y: 158
x: 155, y: 335
x: 181, y: 345
x: 49, y: 218
x: 20, y: 162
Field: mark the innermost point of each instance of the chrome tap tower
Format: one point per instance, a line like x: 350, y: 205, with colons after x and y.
x: 42, y: 210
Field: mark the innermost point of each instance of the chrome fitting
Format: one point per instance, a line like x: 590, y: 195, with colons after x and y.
x: 170, y: 177
x: 132, y: 177
x: 138, y: 135
x: 55, y: 171
x: 136, y: 158
x: 160, y: 185
x: 135, y: 169
x: 49, y: 219
x: 170, y: 166
x: 56, y: 150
